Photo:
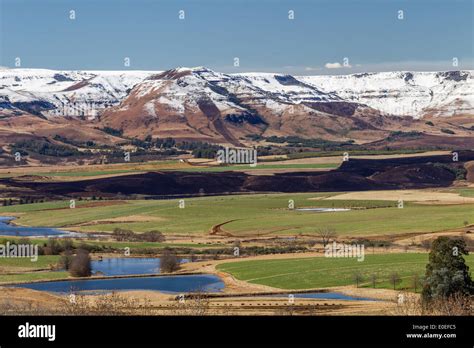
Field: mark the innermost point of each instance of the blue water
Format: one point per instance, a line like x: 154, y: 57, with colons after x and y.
x: 327, y: 296
x: 323, y: 210
x: 170, y: 284
x: 128, y: 265
x: 6, y: 229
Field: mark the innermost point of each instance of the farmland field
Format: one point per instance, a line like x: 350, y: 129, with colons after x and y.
x: 32, y: 276
x: 12, y: 263
x: 320, y: 272
x: 262, y: 214
x: 120, y: 169
x: 17, y: 269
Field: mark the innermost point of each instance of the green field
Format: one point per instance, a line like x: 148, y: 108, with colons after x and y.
x: 12, y: 263
x: 23, y: 269
x: 263, y: 166
x: 29, y: 277
x: 464, y: 192
x: 262, y: 214
x: 189, y: 168
x: 118, y: 245
x: 320, y: 272
x: 339, y: 153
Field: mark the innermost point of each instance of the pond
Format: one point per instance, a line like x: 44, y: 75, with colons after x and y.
x: 323, y: 210
x: 115, y: 266
x: 327, y: 296
x: 7, y: 229
x: 168, y: 284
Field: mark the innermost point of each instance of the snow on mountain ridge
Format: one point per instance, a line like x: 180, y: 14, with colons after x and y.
x: 83, y: 92
x: 399, y: 93
x: 404, y: 93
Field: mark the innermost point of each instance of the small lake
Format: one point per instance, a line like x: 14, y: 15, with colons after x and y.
x: 168, y: 284
x: 323, y: 210
x: 7, y: 229
x: 115, y: 266
x: 327, y: 296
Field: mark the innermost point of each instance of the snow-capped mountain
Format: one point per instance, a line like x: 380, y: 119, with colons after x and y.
x: 399, y: 93
x: 217, y: 105
x: 201, y: 104
x: 74, y: 93
x: 415, y: 94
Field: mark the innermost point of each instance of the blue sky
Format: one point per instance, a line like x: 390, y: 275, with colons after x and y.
x: 258, y: 32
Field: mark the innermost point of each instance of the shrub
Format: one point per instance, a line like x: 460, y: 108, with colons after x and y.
x: 121, y: 234
x: 66, y: 260
x: 81, y: 264
x: 152, y: 236
x: 447, y: 131
x: 170, y: 262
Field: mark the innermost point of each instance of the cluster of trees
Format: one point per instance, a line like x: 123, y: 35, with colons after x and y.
x: 6, y: 202
x: 59, y: 246
x: 121, y: 234
x: 112, y: 131
x: 394, y: 279
x: 395, y: 135
x: 296, y: 141
x: 458, y: 170
x: 447, y: 275
x: 149, y: 142
x: 22, y: 200
x: 44, y: 147
x: 75, y: 260
x: 200, y: 149
x: 88, y: 143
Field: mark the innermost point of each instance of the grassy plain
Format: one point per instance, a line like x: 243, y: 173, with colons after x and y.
x: 246, y: 215
x: 85, y: 172
x: 319, y: 272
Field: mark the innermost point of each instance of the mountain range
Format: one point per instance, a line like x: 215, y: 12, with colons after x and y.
x: 199, y: 104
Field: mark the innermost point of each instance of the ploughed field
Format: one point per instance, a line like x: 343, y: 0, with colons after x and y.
x: 246, y: 215
x: 320, y: 272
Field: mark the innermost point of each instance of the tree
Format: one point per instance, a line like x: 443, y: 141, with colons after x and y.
x: 395, y: 279
x: 153, y: 236
x: 426, y: 244
x: 415, y: 281
x: 373, y: 278
x: 447, y: 273
x: 52, y: 247
x: 326, y: 234
x: 121, y: 234
x: 66, y: 260
x: 169, y: 261
x: 67, y: 244
x: 81, y: 264
x: 358, y: 278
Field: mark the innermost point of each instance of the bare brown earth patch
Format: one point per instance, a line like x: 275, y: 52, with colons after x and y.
x: 102, y: 204
x: 122, y: 219
x: 20, y: 296
x: 470, y: 171
x: 421, y: 237
x: 418, y: 196
x: 217, y: 230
